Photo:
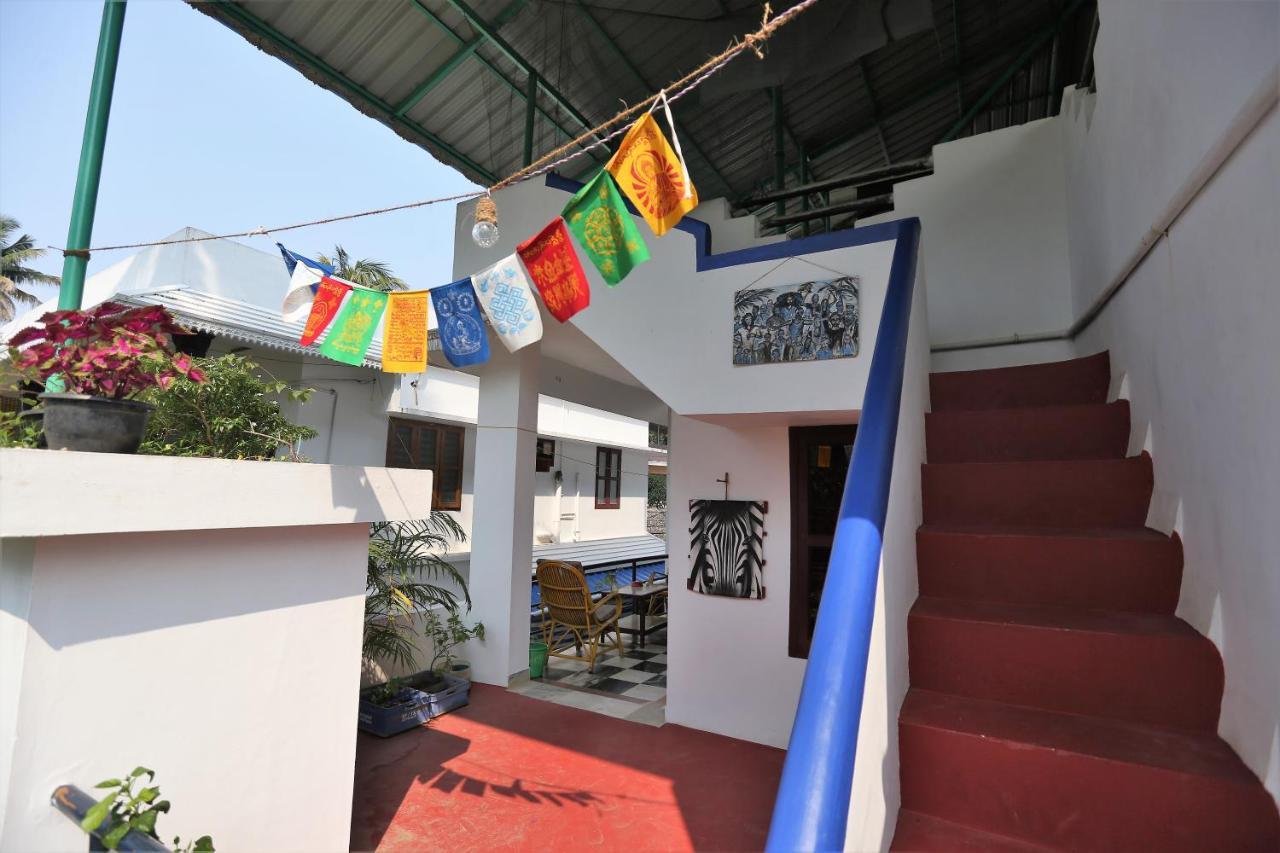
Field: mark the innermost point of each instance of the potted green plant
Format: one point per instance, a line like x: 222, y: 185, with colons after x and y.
x: 100, y: 359
x: 445, y: 636
x: 406, y: 563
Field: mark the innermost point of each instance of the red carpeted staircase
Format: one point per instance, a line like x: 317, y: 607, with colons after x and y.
x: 1056, y: 702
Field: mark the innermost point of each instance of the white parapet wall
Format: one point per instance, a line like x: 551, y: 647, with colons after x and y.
x: 200, y: 617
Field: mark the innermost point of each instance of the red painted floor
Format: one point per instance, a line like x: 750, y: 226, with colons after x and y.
x: 513, y: 773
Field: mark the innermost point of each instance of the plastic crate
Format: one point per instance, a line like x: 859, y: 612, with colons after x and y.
x: 456, y: 695
x: 412, y: 708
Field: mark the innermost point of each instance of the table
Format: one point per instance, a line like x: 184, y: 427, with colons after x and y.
x: 635, y: 623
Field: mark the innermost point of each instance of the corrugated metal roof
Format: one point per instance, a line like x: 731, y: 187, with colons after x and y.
x: 598, y: 54
x: 603, y: 552
x: 241, y: 321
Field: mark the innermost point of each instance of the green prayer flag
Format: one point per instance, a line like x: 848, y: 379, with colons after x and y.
x: 604, y: 228
x: 349, y: 338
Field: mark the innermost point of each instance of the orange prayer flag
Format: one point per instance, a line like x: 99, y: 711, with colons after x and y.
x: 653, y: 175
x: 324, y: 307
x: 404, y: 337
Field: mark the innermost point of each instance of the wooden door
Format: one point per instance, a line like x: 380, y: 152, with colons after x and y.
x: 819, y: 462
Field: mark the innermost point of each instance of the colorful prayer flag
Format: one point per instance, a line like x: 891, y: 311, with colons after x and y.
x: 461, y: 328
x: 604, y: 229
x: 323, y: 308
x: 404, y: 334
x: 556, y: 270
x: 352, y: 331
x: 653, y: 176
x: 504, y: 293
x: 303, y: 286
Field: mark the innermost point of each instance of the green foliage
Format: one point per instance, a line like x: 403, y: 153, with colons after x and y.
x: 657, y: 490
x: 123, y: 811
x: 446, y: 636
x: 234, y: 414
x: 364, y: 272
x: 405, y: 558
x: 384, y: 694
x: 14, y: 272
x: 17, y: 431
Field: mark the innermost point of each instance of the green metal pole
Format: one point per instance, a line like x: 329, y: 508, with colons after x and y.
x: 530, y: 113
x: 85, y: 202
x: 804, y: 179
x: 779, y: 150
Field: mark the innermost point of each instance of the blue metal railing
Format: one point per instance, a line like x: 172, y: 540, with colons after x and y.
x: 812, y: 807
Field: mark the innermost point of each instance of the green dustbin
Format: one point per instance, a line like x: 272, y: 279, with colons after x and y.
x: 537, y: 659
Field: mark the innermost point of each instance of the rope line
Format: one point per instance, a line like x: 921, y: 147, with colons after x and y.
x: 558, y: 157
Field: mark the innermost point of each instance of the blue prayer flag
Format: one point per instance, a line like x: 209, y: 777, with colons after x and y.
x: 461, y: 329
x: 291, y: 260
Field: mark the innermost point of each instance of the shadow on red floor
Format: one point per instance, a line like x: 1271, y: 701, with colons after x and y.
x: 513, y: 773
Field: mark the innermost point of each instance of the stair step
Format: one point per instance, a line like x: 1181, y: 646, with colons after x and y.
x: 1097, y: 431
x: 921, y: 833
x: 1139, y: 667
x: 1128, y: 569
x: 1075, y: 782
x: 1059, y: 383
x: 1076, y: 493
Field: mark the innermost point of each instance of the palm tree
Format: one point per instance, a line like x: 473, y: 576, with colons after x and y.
x: 13, y: 256
x: 408, y: 574
x: 364, y: 272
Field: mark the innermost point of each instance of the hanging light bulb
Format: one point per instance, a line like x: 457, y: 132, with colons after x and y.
x: 485, y: 231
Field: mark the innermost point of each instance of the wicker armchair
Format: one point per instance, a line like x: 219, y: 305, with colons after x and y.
x: 569, y: 612
x: 658, y: 601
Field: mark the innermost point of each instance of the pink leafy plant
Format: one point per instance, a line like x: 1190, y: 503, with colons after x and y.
x: 108, y: 351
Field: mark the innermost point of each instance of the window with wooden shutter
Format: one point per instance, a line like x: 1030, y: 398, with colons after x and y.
x: 434, y: 447
x: 545, y: 458
x: 608, y: 478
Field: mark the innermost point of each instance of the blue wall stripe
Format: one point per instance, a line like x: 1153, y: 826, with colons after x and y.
x: 701, y: 232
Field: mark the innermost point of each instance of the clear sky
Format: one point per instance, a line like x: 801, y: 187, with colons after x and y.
x: 206, y: 131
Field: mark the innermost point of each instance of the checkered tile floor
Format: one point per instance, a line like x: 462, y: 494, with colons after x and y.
x: 631, y: 686
x: 637, y: 674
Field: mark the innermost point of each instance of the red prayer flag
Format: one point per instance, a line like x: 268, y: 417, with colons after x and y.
x: 323, y: 308
x: 554, y: 267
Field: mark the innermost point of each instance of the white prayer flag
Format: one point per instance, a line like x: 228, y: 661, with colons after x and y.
x: 297, y: 299
x: 504, y: 293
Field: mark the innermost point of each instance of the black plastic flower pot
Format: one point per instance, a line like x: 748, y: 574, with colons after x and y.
x: 94, y: 424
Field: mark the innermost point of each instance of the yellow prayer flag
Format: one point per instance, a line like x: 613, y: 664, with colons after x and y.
x: 404, y: 337
x: 652, y: 176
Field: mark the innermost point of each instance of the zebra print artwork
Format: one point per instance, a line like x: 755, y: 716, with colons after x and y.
x: 726, y: 544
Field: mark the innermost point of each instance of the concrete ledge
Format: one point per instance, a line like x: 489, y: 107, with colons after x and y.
x: 62, y: 493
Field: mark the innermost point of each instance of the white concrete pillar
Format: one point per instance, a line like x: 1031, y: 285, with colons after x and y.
x: 502, y: 519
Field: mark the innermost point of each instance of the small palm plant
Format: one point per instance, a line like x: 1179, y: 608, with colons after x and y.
x: 406, y: 568
x: 14, y: 255
x: 364, y: 272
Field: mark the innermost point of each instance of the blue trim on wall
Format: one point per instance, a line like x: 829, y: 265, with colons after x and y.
x: 812, y: 808
x: 701, y: 232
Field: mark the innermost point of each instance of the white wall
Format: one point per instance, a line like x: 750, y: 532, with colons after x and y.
x: 727, y: 665
x: 1192, y: 333
x: 453, y: 396
x: 349, y: 409
x: 195, y: 640
x: 994, y: 219
x: 873, y: 807
x: 666, y: 317
x: 1170, y: 77
x: 577, y: 462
